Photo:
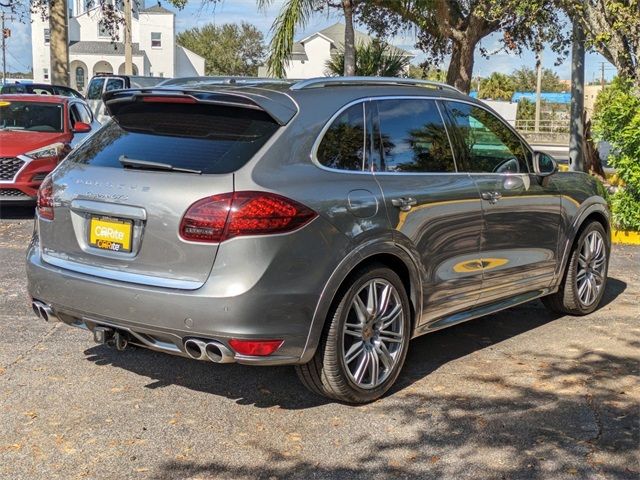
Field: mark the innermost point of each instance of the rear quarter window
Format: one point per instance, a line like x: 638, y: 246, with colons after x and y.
x: 212, y: 139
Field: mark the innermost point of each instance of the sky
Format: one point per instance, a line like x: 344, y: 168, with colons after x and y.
x: 231, y: 11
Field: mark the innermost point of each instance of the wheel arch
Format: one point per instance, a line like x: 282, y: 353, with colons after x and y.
x: 597, y: 212
x: 388, y: 254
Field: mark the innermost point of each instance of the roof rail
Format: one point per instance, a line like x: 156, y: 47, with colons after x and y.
x: 320, y: 82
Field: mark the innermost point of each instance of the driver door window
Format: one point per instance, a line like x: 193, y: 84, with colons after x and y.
x: 486, y: 144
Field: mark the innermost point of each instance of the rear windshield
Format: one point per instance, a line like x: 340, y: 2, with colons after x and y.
x: 208, y: 138
x: 31, y: 116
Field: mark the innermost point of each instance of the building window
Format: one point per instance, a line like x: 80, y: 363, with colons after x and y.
x: 156, y: 40
x: 47, y: 36
x: 45, y: 72
x: 103, y: 30
x: 80, y: 78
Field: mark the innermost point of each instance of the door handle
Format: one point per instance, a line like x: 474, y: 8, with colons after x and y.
x: 491, y: 197
x: 404, y: 203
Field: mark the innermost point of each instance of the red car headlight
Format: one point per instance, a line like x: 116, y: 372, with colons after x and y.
x: 53, y: 150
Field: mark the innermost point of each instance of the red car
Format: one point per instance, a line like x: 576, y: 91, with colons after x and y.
x: 36, y: 132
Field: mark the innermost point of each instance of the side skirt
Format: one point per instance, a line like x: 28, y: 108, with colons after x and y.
x: 481, y: 311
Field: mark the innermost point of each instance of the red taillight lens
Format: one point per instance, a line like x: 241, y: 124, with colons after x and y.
x: 260, y: 348
x: 221, y: 217
x: 45, y: 199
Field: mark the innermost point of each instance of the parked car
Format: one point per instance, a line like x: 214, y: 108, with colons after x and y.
x: 36, y: 132
x: 322, y: 223
x: 38, y: 89
x: 102, y: 83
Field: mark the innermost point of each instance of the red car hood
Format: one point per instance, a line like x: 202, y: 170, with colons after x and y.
x: 14, y: 142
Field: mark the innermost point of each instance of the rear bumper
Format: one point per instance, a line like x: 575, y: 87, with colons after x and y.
x: 168, y: 317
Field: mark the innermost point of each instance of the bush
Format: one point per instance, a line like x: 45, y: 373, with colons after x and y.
x: 617, y: 121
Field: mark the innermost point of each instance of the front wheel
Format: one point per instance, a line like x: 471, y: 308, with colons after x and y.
x: 585, y: 278
x: 365, y: 341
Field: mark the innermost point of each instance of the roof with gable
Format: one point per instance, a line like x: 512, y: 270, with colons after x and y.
x: 157, y: 9
x: 335, y: 35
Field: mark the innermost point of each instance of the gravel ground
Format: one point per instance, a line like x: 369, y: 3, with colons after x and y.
x: 520, y: 394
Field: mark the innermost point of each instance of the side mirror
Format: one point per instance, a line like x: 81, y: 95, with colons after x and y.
x: 81, y: 127
x: 544, y: 165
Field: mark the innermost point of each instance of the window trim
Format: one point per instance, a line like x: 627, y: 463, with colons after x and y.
x: 159, y: 46
x: 316, y: 144
x: 444, y: 124
x: 438, y: 99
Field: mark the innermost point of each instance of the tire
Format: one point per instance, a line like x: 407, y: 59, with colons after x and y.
x: 358, y: 336
x: 572, y: 298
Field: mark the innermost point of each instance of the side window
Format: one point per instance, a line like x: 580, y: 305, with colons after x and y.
x: 114, y: 84
x: 343, y: 144
x: 413, y: 137
x: 94, y: 92
x: 486, y: 144
x: 74, y: 114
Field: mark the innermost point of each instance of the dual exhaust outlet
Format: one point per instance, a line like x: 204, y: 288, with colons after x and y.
x: 211, y: 350
x: 44, y: 311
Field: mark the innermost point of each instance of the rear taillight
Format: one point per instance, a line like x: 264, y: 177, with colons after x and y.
x: 45, y: 199
x: 221, y: 217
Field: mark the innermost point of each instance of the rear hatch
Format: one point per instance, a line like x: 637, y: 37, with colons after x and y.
x: 119, y: 198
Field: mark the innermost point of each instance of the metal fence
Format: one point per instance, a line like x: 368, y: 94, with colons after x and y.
x: 546, y: 126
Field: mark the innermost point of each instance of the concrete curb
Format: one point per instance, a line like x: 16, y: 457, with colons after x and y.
x: 623, y: 237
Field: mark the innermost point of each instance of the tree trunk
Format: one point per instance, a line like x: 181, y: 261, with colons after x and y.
x: 349, y: 40
x: 128, y: 48
x: 461, y: 65
x: 59, y: 42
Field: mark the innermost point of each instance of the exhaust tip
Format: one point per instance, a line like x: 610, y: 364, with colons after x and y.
x: 195, y: 349
x: 218, y: 353
x: 44, y: 311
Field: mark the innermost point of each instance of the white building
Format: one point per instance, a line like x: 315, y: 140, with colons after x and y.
x: 92, y: 50
x: 310, y: 55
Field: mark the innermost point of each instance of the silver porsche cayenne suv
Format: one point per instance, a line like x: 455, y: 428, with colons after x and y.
x: 322, y: 223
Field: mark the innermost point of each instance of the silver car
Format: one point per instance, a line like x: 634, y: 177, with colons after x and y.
x: 322, y: 223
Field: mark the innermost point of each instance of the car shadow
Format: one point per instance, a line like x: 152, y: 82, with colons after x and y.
x: 267, y: 387
x: 23, y: 212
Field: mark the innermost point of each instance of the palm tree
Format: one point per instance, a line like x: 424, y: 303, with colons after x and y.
x: 294, y: 14
x: 376, y: 58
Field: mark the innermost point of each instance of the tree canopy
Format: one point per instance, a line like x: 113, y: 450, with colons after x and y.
x: 228, y: 49
x: 455, y: 28
x: 524, y: 80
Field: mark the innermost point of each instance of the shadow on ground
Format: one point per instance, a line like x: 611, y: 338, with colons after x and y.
x: 266, y: 387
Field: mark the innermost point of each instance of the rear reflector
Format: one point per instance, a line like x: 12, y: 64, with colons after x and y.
x: 45, y: 199
x: 221, y: 217
x: 259, y: 348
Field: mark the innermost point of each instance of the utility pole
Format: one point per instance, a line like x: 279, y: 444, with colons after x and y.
x: 6, y: 33
x: 4, y: 51
x: 602, y: 75
x: 576, y: 139
x: 538, y: 89
x: 128, y: 48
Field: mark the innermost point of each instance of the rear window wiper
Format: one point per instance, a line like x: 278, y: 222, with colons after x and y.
x: 147, y: 165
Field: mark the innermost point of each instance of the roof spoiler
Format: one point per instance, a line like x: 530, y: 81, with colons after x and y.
x: 280, y: 112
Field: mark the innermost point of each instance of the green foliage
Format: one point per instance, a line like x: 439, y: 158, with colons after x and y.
x: 376, y: 58
x: 524, y: 80
x: 421, y: 73
x: 526, y: 110
x: 497, y: 86
x: 229, y: 49
x: 617, y: 121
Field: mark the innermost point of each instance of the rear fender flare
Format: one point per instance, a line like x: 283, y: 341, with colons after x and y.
x: 343, y: 270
